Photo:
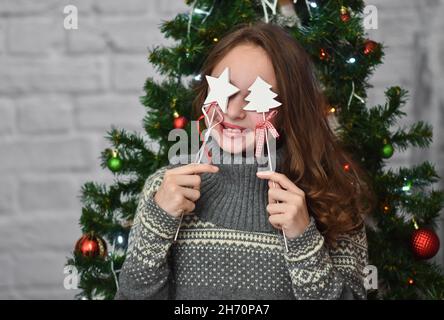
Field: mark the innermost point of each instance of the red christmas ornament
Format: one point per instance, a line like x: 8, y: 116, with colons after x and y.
x: 370, y: 46
x: 345, y: 15
x: 425, y: 243
x: 90, y: 245
x: 180, y: 122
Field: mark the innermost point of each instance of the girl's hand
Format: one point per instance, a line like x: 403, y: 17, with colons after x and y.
x: 286, y: 204
x: 180, y: 188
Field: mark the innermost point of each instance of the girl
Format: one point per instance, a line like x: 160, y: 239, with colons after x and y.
x: 229, y: 245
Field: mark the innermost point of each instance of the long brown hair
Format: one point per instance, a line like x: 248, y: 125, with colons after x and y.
x: 314, y: 159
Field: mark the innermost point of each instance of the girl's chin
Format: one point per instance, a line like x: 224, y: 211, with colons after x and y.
x: 233, y: 149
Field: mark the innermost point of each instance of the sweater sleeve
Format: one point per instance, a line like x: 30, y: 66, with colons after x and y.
x: 320, y: 273
x: 145, y: 273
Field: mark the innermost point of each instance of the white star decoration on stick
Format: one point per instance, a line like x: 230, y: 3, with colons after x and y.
x: 261, y: 98
x: 220, y: 89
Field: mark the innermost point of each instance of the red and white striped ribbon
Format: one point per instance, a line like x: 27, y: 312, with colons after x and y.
x: 260, y: 132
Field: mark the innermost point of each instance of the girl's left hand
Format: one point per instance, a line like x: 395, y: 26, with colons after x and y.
x: 286, y: 204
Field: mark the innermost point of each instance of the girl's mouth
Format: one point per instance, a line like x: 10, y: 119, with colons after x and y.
x: 232, y: 131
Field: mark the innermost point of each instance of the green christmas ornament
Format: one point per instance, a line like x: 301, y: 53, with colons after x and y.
x: 387, y: 150
x: 114, y: 163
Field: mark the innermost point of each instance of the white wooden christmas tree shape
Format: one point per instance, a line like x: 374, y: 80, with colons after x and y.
x: 261, y: 98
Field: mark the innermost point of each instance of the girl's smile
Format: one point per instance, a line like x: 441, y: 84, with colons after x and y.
x: 232, y: 131
x: 232, y: 126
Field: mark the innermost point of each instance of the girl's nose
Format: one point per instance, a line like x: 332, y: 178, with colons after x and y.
x: 235, y: 108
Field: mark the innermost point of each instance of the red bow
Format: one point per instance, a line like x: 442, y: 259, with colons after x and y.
x: 260, y: 132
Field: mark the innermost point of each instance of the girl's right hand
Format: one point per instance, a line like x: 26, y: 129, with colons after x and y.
x: 180, y: 188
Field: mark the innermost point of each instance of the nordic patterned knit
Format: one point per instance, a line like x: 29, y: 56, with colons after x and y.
x: 228, y: 249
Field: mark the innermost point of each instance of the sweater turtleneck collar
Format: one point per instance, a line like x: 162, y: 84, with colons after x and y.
x: 234, y: 197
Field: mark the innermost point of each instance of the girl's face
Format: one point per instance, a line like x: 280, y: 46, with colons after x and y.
x: 246, y: 62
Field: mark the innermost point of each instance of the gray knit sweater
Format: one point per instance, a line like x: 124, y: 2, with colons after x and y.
x: 229, y: 250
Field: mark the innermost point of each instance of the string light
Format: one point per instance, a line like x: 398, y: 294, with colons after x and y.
x: 323, y: 54
x: 407, y: 186
x: 351, y: 60
x: 173, y: 102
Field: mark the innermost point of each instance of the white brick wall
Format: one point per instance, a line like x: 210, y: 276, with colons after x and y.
x: 61, y: 90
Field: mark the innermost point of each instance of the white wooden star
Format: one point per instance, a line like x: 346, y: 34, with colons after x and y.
x: 220, y: 90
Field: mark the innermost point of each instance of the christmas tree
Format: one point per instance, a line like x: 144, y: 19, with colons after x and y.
x: 400, y: 230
